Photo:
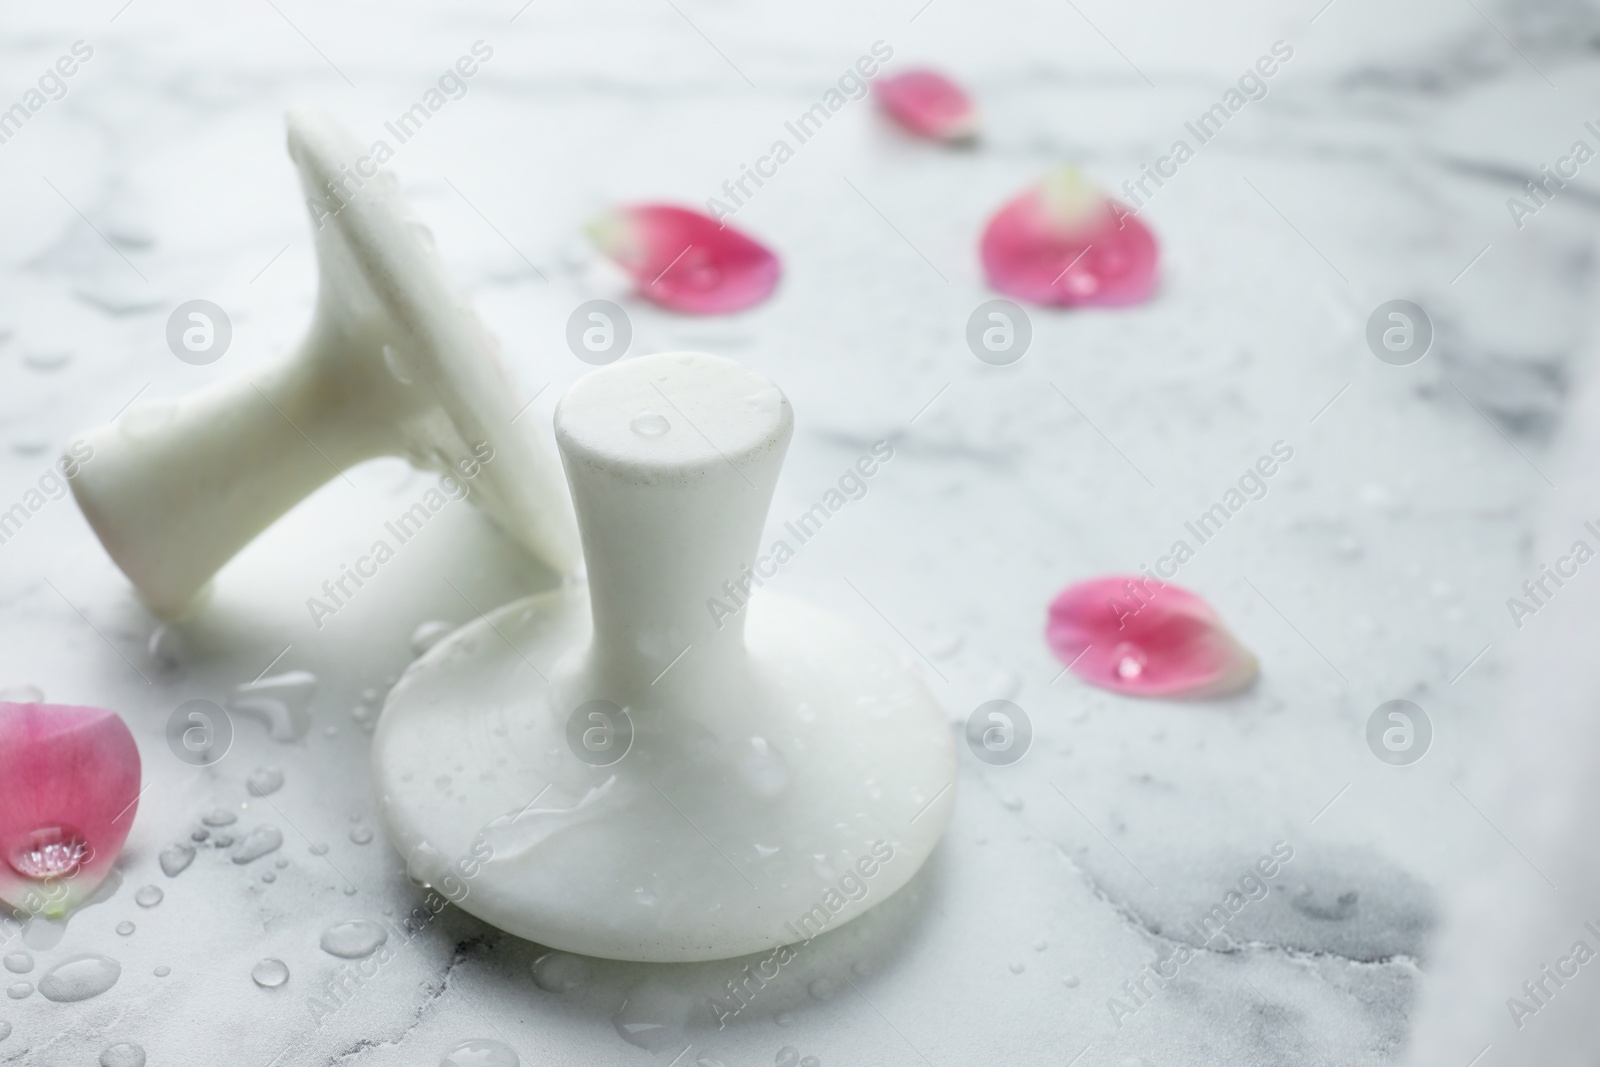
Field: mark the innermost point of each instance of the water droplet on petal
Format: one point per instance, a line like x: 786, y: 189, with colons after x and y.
x: 162, y: 971
x: 1017, y: 967
x: 50, y: 852
x: 821, y: 989
x: 219, y: 817
x: 353, y: 939
x: 270, y: 973
x: 788, y: 1056
x: 122, y: 1054
x: 125, y: 928
x: 19, y: 990
x: 810, y: 1061
x: 361, y: 835
x: 1128, y: 660
x: 19, y: 962
x: 148, y: 896
x: 1071, y: 981
x: 480, y: 1052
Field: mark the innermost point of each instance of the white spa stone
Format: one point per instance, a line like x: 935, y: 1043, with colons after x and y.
x: 780, y: 765
x: 395, y: 363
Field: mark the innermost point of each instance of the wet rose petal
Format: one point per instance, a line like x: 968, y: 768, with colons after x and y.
x: 686, y: 261
x: 1134, y: 635
x: 69, y: 789
x: 928, y: 104
x: 1064, y: 242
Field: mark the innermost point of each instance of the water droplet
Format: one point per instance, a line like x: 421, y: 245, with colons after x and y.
x: 1005, y: 684
x: 788, y: 1056
x: 146, y: 419
x: 122, y: 1054
x: 283, y: 702
x: 270, y: 973
x: 21, y: 694
x: 654, y: 1015
x: 480, y: 1052
x: 1040, y: 945
x: 257, y: 843
x: 280, y: 863
x: 1071, y: 981
x: 19, y: 990
x: 649, y: 424
x: 222, y: 841
x: 424, y: 865
x: 429, y: 634
x: 46, y: 362
x: 821, y: 989
x: 810, y: 1061
x: 19, y: 962
x: 361, y: 835
x: 268, y: 877
x: 1128, y: 660
x: 398, y: 364
x: 1012, y: 802
x: 79, y: 978
x: 50, y: 852
x: 148, y: 896
x: 125, y: 928
x: 354, y: 939
x: 784, y: 1018
x: 319, y: 849
x: 163, y: 970
x: 264, y: 781
x: 167, y: 647
x: 762, y: 768
x: 219, y: 817
x: 200, y: 834
x: 1017, y: 967
x: 560, y: 972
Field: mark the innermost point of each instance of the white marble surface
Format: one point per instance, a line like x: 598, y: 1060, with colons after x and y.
x: 1377, y: 567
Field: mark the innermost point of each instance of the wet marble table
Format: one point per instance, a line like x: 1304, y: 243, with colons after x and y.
x: 1377, y: 166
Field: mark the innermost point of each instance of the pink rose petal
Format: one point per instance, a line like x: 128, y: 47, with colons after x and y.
x: 1134, y: 635
x: 69, y: 788
x: 928, y: 104
x: 687, y: 261
x: 1065, y: 243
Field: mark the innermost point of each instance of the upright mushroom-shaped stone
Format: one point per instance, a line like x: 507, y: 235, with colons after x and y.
x: 649, y: 777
